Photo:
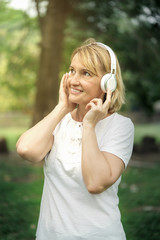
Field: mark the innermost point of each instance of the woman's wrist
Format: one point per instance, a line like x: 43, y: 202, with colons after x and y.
x: 62, y: 108
x: 88, y: 125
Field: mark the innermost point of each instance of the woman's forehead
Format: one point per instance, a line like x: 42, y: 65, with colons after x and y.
x: 77, y: 61
x: 86, y: 61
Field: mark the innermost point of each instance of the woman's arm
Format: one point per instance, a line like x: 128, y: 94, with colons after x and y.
x: 35, y: 143
x: 100, y: 169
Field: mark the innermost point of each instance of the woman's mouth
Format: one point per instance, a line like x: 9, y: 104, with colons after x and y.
x: 75, y: 91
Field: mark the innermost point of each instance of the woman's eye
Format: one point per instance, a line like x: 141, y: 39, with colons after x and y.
x: 87, y: 74
x: 72, y: 71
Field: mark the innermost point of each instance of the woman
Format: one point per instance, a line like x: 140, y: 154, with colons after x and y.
x: 87, y: 146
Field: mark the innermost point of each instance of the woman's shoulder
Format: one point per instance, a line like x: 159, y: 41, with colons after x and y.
x: 122, y: 117
x: 123, y: 124
x: 117, y: 121
x: 119, y: 118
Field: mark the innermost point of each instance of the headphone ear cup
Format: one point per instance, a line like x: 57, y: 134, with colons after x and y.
x: 112, y: 83
x: 104, y: 81
x: 108, y: 81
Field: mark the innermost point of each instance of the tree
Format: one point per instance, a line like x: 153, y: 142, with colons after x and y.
x: 131, y: 28
x: 52, y: 28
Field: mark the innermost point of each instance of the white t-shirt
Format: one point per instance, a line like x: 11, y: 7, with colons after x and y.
x: 68, y: 211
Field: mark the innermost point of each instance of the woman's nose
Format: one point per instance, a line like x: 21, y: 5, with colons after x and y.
x: 74, y: 79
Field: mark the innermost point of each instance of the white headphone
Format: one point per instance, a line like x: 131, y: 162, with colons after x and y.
x: 109, y: 79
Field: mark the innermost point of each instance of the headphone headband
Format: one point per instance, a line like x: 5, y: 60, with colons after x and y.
x: 112, y: 56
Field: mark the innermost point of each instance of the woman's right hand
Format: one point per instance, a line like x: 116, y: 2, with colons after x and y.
x: 63, y: 94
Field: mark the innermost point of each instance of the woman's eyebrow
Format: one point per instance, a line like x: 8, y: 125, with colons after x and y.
x: 71, y: 66
x: 83, y: 70
x: 87, y: 70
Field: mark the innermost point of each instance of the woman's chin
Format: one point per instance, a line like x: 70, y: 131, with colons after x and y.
x: 73, y: 100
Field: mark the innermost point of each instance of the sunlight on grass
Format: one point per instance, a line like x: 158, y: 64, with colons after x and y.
x: 152, y: 129
x: 12, y: 134
x: 12, y: 125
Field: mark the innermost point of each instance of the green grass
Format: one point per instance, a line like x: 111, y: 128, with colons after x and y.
x: 21, y: 187
x: 20, y: 192
x: 139, y: 203
x: 14, y: 124
x: 11, y: 134
x: 152, y: 129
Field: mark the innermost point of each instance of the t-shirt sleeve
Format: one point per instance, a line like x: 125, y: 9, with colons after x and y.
x: 56, y: 129
x: 59, y: 125
x: 120, y: 141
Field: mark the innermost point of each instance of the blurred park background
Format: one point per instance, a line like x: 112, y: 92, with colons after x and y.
x: 37, y: 38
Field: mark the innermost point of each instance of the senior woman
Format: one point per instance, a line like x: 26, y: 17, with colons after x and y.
x: 87, y: 146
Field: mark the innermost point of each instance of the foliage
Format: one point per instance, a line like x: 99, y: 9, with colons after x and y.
x: 18, y: 60
x: 131, y: 28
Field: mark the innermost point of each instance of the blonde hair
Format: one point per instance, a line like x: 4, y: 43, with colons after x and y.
x: 97, y: 60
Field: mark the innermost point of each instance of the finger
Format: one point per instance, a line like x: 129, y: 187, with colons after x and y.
x: 64, y: 80
x: 90, y: 105
x: 97, y: 101
x: 67, y: 75
x: 67, y: 81
x: 108, y: 98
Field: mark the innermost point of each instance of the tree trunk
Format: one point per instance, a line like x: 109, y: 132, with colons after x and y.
x: 50, y: 58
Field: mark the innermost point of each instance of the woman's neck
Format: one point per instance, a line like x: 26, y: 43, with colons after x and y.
x: 78, y: 113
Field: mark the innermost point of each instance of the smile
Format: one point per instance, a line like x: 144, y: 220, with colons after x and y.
x: 75, y: 91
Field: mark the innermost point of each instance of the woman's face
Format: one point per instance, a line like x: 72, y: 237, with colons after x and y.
x: 83, y: 85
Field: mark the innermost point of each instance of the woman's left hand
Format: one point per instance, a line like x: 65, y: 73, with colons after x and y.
x: 97, y: 110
